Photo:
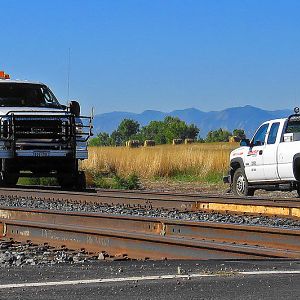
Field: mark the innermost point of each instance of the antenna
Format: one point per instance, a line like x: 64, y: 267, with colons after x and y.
x: 69, y: 71
x: 93, y: 113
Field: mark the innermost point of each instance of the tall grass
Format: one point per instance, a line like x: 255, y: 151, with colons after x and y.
x: 200, y: 160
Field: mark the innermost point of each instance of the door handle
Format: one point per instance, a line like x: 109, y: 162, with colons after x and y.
x: 260, y: 152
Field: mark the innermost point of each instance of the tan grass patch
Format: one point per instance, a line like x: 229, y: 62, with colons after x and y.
x: 160, y: 161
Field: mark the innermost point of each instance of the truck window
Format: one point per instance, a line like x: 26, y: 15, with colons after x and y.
x: 27, y: 95
x: 273, y: 133
x: 293, y: 124
x: 260, y: 135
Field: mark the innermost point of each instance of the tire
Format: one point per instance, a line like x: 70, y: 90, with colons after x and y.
x: 9, y: 174
x: 240, y: 185
x: 66, y: 182
x: 81, y: 182
x: 298, y: 190
x: 8, y: 180
x: 77, y: 182
x: 67, y: 175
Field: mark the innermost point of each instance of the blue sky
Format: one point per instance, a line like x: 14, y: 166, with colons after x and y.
x: 133, y: 55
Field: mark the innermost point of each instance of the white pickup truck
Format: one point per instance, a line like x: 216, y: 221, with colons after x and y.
x: 270, y: 160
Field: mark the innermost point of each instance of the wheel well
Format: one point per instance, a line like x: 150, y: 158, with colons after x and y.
x: 296, y: 168
x: 234, y: 166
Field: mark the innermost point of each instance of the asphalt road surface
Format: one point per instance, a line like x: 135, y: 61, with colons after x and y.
x: 265, y: 279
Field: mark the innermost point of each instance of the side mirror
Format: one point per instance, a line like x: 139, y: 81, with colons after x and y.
x: 74, y: 108
x: 245, y: 143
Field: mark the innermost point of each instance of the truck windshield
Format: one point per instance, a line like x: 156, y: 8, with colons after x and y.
x: 27, y: 95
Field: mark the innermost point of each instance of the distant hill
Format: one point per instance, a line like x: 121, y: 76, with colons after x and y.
x: 246, y: 117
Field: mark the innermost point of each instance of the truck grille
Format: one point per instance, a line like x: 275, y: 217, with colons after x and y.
x: 40, y: 128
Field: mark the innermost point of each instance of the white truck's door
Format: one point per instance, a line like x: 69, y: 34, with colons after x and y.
x: 270, y: 151
x: 254, y: 163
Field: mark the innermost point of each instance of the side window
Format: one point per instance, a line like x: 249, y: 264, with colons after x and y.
x: 47, y: 96
x: 273, y: 133
x: 259, y: 137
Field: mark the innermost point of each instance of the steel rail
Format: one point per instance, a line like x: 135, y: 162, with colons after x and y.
x: 142, y: 237
x: 194, y: 195
x: 182, y: 202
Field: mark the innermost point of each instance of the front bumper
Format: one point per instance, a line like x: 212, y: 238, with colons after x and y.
x: 80, y: 153
x: 227, y: 179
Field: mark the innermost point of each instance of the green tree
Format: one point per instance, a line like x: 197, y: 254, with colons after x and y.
x: 192, y: 131
x: 102, y: 139
x: 178, y: 129
x: 161, y: 132
x: 128, y: 128
x: 220, y: 135
x: 239, y: 133
x: 155, y: 130
x: 94, y: 141
x: 116, y: 139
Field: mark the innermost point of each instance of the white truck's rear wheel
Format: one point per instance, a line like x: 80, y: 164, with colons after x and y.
x: 240, y: 186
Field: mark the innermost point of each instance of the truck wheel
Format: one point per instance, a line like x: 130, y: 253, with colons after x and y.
x: 8, y: 180
x: 298, y: 190
x: 66, y: 182
x: 81, y: 181
x: 9, y: 175
x: 70, y: 182
x: 240, y: 186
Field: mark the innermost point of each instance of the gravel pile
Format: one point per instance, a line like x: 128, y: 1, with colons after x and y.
x: 19, y: 254
x: 71, y: 206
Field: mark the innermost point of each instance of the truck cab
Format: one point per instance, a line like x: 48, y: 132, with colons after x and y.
x: 270, y: 160
x: 39, y: 137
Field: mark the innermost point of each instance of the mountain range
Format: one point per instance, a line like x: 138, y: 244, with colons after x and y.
x: 246, y: 117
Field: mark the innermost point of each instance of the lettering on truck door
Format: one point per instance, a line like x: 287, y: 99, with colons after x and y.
x: 254, y: 164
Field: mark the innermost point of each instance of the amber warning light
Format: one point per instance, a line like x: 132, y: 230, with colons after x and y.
x: 3, y: 75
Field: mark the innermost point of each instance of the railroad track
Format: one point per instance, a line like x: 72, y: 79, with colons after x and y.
x: 281, y: 207
x: 148, y: 237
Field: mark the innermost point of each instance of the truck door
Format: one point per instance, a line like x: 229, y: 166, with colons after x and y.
x: 270, y: 153
x: 254, y: 164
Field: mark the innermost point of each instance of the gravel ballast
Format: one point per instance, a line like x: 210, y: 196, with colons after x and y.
x: 20, y: 254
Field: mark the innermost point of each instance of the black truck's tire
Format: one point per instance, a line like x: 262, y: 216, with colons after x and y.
x: 9, y: 174
x: 240, y: 185
x: 81, y: 181
x: 66, y: 182
x: 8, y: 179
x: 77, y: 182
x: 67, y: 174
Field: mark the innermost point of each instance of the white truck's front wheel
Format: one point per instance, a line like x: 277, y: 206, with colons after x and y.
x: 240, y: 186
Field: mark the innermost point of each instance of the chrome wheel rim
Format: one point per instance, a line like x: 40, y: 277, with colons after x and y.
x: 241, y: 185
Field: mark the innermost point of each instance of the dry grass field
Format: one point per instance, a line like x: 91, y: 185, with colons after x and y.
x: 199, y: 160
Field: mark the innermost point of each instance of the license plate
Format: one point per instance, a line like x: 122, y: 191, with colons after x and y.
x: 41, y: 153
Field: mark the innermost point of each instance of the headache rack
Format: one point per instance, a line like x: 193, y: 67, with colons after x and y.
x: 24, y: 130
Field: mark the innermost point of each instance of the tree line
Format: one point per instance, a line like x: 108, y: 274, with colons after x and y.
x: 162, y: 132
